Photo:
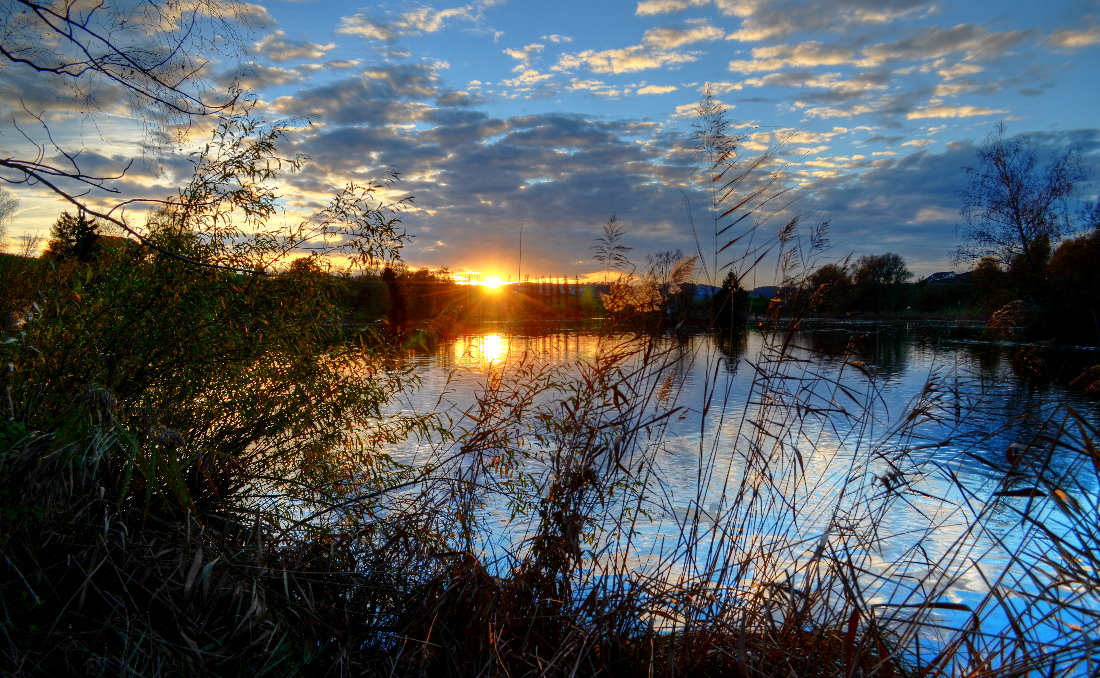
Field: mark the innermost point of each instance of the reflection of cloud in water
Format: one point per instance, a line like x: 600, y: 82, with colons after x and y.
x: 930, y: 547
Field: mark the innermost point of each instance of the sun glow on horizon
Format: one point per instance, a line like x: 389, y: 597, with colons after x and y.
x: 491, y: 283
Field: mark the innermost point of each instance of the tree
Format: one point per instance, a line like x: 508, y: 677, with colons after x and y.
x: 730, y: 305
x: 1013, y: 202
x: 1073, y: 307
x: 878, y: 279
x: 8, y: 204
x: 73, y: 237
x: 828, y: 286
x: 149, y: 57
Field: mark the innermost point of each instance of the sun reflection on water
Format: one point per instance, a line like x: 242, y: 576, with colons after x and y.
x: 482, y: 349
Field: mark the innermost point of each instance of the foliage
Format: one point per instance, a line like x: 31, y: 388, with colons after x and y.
x: 829, y: 287
x: 879, y: 281
x: 730, y: 306
x: 75, y: 237
x: 8, y: 205
x: 198, y: 413
x: 1073, y: 301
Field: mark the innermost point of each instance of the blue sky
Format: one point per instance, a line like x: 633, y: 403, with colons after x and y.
x: 556, y: 115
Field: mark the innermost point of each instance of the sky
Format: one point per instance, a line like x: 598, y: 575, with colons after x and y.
x: 520, y: 127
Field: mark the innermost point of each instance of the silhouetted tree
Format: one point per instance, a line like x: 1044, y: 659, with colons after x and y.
x: 730, y: 305
x: 829, y: 287
x: 73, y: 237
x: 1073, y: 305
x: 879, y: 281
x: 8, y: 204
x: 1012, y: 203
x: 398, y: 313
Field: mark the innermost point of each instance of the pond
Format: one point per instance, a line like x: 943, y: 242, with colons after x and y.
x: 950, y: 475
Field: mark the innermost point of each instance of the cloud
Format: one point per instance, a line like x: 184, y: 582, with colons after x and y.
x: 945, y: 111
x: 833, y: 87
x: 383, y: 95
x: 1075, y: 39
x: 525, y: 53
x: 365, y: 27
x: 802, y: 55
x: 658, y: 49
x: 652, y: 7
x: 256, y: 77
x: 656, y: 89
x: 526, y: 79
x: 277, y: 47
x: 671, y: 37
x: 428, y: 20
x: 776, y: 19
x: 937, y: 41
x: 626, y: 60
x: 415, y: 22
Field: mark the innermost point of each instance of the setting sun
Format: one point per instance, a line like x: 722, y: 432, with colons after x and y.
x: 492, y: 282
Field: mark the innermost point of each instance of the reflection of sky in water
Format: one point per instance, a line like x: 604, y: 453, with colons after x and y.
x: 949, y: 483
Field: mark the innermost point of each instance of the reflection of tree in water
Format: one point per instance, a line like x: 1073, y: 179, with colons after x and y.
x: 732, y: 344
x: 1014, y: 431
x: 985, y: 357
x: 887, y: 348
x: 883, y: 348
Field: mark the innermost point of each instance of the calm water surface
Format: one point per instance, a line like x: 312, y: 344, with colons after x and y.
x: 994, y: 398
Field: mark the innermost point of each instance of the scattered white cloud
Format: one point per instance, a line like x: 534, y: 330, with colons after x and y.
x: 626, y: 60
x: 658, y: 49
x: 525, y: 53
x: 415, y: 22
x: 807, y: 54
x: 671, y: 37
x: 945, y: 111
x: 277, y: 47
x: 657, y: 89
x: 526, y: 78
x: 652, y: 7
x: 365, y: 27
x: 1075, y: 39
